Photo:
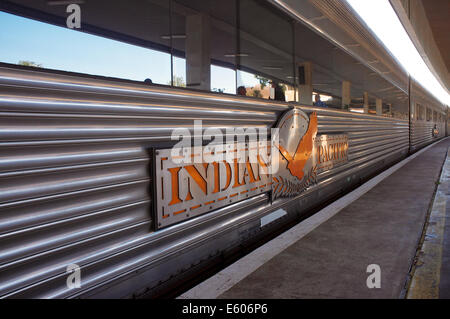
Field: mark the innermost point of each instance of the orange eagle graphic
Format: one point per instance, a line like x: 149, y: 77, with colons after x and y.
x: 304, y: 150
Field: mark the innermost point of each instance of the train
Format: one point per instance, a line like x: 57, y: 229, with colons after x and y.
x: 86, y: 168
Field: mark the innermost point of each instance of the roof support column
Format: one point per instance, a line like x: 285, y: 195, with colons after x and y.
x: 379, y: 105
x: 198, y: 52
x: 346, y: 96
x: 366, y: 102
x: 305, y: 87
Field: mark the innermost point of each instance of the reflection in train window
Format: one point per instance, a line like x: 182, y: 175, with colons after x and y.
x: 223, y: 80
x: 204, y: 36
x: 214, y: 45
x: 265, y: 52
x: 429, y: 114
x: 179, y: 72
x: 138, y: 56
x: 418, y: 112
x: 253, y: 85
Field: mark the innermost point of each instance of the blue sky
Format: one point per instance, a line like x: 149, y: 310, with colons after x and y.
x: 64, y: 49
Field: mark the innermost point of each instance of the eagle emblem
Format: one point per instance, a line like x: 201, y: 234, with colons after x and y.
x: 295, y: 142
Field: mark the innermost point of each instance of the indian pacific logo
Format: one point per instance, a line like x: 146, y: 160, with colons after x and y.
x: 296, y: 135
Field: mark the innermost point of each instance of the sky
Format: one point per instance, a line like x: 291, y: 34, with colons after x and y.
x: 65, y: 49
x: 69, y: 50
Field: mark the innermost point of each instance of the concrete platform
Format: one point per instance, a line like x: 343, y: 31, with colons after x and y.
x: 381, y: 225
x: 431, y: 272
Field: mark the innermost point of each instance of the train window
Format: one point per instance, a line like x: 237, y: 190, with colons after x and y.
x: 429, y: 114
x: 178, y: 71
x: 105, y: 43
x: 204, y: 44
x: 215, y: 45
x: 322, y: 67
x: 251, y: 84
x: 434, y: 116
x: 264, y: 55
x: 223, y: 80
x: 423, y: 113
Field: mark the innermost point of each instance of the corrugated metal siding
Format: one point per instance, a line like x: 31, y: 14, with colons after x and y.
x: 75, y: 174
x: 75, y: 169
x: 421, y: 133
x: 370, y: 138
x: 421, y: 130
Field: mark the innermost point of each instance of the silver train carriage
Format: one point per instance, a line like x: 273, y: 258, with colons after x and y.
x: 79, y: 158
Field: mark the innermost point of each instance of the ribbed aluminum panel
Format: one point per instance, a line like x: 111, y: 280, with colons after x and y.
x: 422, y: 130
x: 75, y: 170
x: 75, y: 178
x: 421, y: 133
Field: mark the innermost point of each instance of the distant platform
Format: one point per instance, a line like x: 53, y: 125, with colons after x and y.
x: 336, y: 252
